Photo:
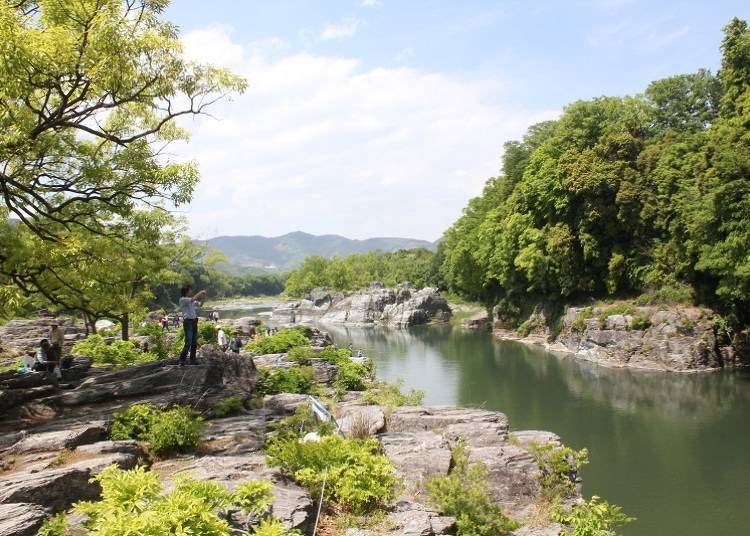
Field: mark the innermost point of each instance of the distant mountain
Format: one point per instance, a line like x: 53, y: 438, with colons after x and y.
x: 281, y: 253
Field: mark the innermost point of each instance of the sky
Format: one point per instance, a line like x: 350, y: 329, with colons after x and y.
x: 383, y: 118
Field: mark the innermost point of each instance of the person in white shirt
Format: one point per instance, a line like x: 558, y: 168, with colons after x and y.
x: 189, y: 301
x: 222, y: 339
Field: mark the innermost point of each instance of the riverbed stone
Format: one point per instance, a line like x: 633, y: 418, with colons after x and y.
x: 285, y: 403
x: 62, y: 438
x: 355, y: 418
x: 21, y: 519
x: 414, y: 418
x: 417, y: 456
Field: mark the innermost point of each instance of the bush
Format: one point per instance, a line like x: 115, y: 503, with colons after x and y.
x: 133, y: 503
x: 157, y: 339
x: 293, y: 380
x: 463, y: 494
x: 301, y: 423
x: 54, y: 526
x: 559, y: 468
x: 352, y: 376
x: 119, y: 353
x: 280, y: 342
x: 390, y: 395
x: 358, y: 477
x: 593, y: 518
x: 176, y: 430
x: 640, y: 323
x: 231, y: 405
x: 274, y: 527
x: 330, y: 354
x: 253, y: 497
x: 580, y: 322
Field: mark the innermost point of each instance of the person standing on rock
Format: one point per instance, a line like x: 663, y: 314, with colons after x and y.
x: 222, y: 340
x: 56, y: 338
x: 189, y: 301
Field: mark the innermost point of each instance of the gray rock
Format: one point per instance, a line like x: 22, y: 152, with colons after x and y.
x: 21, y: 519
x: 57, y: 489
x: 528, y: 438
x: 357, y: 417
x: 100, y: 448
x: 65, y: 438
x: 443, y: 525
x: 284, y: 403
x: 414, y: 418
x: 417, y: 456
x: 291, y: 504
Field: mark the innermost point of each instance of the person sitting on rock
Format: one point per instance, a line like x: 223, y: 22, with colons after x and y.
x: 29, y: 361
x: 189, y: 301
x: 45, y: 358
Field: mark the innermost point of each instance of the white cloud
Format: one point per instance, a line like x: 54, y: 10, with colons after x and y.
x: 343, y: 30
x: 371, y: 3
x: 325, y: 145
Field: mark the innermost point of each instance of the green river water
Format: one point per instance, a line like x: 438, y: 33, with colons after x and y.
x: 672, y: 449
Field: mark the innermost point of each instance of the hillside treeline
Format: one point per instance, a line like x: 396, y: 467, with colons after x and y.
x: 359, y: 271
x: 620, y: 195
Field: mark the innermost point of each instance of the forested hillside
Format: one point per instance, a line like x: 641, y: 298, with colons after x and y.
x: 641, y: 194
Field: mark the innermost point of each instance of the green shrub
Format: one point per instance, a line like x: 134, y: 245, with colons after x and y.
x: 119, y: 353
x: 157, y: 339
x: 330, y: 354
x: 280, y: 342
x: 293, y: 380
x: 668, y: 295
x: 274, y: 527
x: 132, y: 502
x: 352, y: 376
x: 254, y: 496
x: 231, y: 405
x: 358, y: 477
x: 389, y: 394
x: 302, y: 422
x: 640, y: 323
x: 558, y: 468
x: 593, y: 518
x: 54, y: 526
x: 580, y: 322
x: 176, y: 430
x: 463, y: 494
x: 616, y: 309
x: 133, y: 422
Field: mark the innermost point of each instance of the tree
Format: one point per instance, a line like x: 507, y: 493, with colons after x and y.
x: 89, y: 94
x: 93, y: 275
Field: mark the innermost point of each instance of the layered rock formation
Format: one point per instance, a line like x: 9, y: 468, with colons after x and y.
x: 401, y: 307
x: 679, y: 339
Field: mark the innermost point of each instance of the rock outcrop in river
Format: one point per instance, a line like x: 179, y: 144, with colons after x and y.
x: 678, y: 339
x: 400, y: 307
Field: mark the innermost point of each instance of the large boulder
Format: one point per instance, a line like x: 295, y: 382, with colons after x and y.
x: 417, y: 456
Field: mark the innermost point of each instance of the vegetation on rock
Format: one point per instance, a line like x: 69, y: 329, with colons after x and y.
x: 280, y: 342
x: 119, y: 353
x: 293, y: 380
x: 175, y: 430
x: 358, y: 477
x: 463, y: 494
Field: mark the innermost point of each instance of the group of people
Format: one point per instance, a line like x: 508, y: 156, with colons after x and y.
x: 49, y: 356
x: 234, y: 344
x: 164, y: 321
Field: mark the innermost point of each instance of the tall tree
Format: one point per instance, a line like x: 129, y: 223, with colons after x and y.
x: 89, y: 94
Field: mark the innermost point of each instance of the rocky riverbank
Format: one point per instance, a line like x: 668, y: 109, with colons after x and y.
x: 400, y: 307
x: 55, y: 438
x: 622, y: 334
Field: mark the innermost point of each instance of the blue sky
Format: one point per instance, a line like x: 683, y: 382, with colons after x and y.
x: 369, y: 117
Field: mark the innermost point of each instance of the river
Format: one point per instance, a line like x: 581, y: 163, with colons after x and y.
x: 672, y: 449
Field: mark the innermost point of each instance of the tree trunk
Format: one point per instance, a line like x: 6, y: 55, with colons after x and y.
x: 125, y: 321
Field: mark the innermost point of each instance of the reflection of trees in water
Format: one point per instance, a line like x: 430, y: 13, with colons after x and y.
x: 501, y: 374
